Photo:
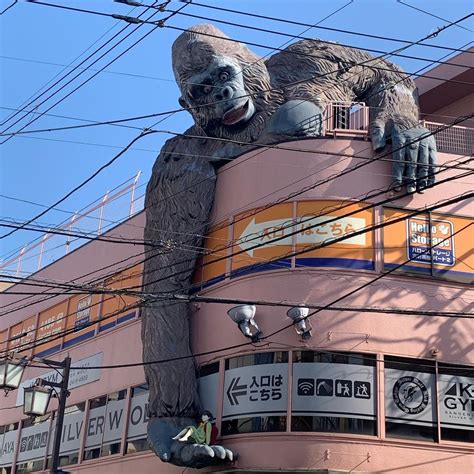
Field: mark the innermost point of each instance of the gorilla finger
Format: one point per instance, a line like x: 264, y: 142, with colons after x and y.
x: 219, y: 451
x: 422, y: 170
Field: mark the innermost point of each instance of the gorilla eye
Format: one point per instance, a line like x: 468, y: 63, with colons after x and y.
x: 207, y: 89
x: 223, y: 76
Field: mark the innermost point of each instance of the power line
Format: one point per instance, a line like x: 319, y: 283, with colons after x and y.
x: 325, y: 307
x: 104, y: 67
x: 90, y: 178
x: 79, y: 74
x: 167, y: 297
x: 297, y: 23
x: 433, y: 15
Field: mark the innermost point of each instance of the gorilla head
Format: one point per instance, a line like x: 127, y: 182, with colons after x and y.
x: 223, y: 83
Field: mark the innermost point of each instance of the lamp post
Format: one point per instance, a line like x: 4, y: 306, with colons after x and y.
x: 37, y: 397
x: 63, y: 394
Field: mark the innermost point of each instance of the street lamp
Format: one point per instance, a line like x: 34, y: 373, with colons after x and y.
x: 36, y: 400
x: 11, y: 371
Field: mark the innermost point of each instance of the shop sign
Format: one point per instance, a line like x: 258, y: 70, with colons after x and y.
x: 341, y: 390
x: 410, y: 397
x: 257, y: 390
x: 7, y: 447
x: 83, y: 311
x: 421, y: 236
x: 79, y: 375
x: 456, y: 404
x: 33, y: 442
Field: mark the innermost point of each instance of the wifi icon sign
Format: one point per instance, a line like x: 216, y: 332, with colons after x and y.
x: 306, y: 387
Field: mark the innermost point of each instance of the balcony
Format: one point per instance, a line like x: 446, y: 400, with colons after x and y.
x: 351, y: 119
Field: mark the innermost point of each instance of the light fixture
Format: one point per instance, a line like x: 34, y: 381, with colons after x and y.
x: 11, y: 372
x: 244, y: 316
x: 36, y: 400
x: 298, y: 315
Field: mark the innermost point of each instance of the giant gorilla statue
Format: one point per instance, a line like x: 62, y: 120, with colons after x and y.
x: 235, y: 95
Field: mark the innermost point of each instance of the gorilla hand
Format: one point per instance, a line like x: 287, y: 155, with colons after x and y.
x: 160, y: 439
x: 414, y: 155
x: 414, y: 159
x: 295, y: 118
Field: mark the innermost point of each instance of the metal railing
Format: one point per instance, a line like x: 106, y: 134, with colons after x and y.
x: 346, y: 119
x: 109, y: 210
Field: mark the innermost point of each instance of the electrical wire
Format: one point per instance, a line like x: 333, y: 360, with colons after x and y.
x: 121, y: 40
x: 168, y: 297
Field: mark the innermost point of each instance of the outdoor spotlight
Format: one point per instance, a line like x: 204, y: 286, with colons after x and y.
x: 36, y: 400
x: 298, y: 315
x: 11, y: 372
x: 243, y: 316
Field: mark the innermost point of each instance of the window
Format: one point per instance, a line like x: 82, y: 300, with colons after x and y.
x: 456, y: 404
x: 33, y: 444
x: 105, y: 425
x: 256, y: 393
x: 8, y: 435
x: 410, y: 399
x: 334, y: 392
x: 137, y: 420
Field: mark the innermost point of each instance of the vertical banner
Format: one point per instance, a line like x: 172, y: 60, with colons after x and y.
x: 337, y: 390
x: 456, y: 402
x: 439, y: 245
x: 256, y: 390
x: 410, y: 397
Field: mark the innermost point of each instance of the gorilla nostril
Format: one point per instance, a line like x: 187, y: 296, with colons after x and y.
x: 226, y: 92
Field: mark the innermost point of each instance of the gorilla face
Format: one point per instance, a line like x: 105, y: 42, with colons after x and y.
x: 220, y: 90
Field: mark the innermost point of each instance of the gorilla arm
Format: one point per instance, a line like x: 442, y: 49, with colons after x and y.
x: 322, y: 72
x: 178, y: 202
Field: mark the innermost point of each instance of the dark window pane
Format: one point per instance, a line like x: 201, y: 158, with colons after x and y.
x: 329, y: 424
x: 259, y: 424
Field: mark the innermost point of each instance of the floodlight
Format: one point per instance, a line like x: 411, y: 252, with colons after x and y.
x: 243, y: 316
x: 298, y: 315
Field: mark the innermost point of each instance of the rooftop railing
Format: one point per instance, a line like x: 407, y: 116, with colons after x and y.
x: 351, y: 119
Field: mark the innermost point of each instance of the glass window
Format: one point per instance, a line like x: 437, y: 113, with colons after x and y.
x: 256, y: 393
x: 334, y: 392
x: 33, y: 444
x: 456, y: 402
x: 105, y: 425
x: 137, y: 421
x: 410, y: 399
x: 8, y: 434
x: 71, y: 436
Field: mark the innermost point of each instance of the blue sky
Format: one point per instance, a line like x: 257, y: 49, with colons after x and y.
x: 37, y: 42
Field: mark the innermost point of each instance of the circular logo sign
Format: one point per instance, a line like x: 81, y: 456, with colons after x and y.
x: 410, y: 395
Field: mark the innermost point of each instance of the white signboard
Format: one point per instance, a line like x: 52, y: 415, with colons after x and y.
x: 410, y: 397
x: 257, y: 390
x: 77, y: 377
x: 207, y: 387
x: 138, y: 419
x: 7, y: 444
x: 342, y: 390
x: 456, y: 404
x: 33, y: 442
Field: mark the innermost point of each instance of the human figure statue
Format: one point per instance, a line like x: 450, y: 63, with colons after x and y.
x: 200, y: 434
x: 239, y: 101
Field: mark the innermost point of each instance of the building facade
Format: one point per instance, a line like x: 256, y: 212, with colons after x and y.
x: 384, y: 383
